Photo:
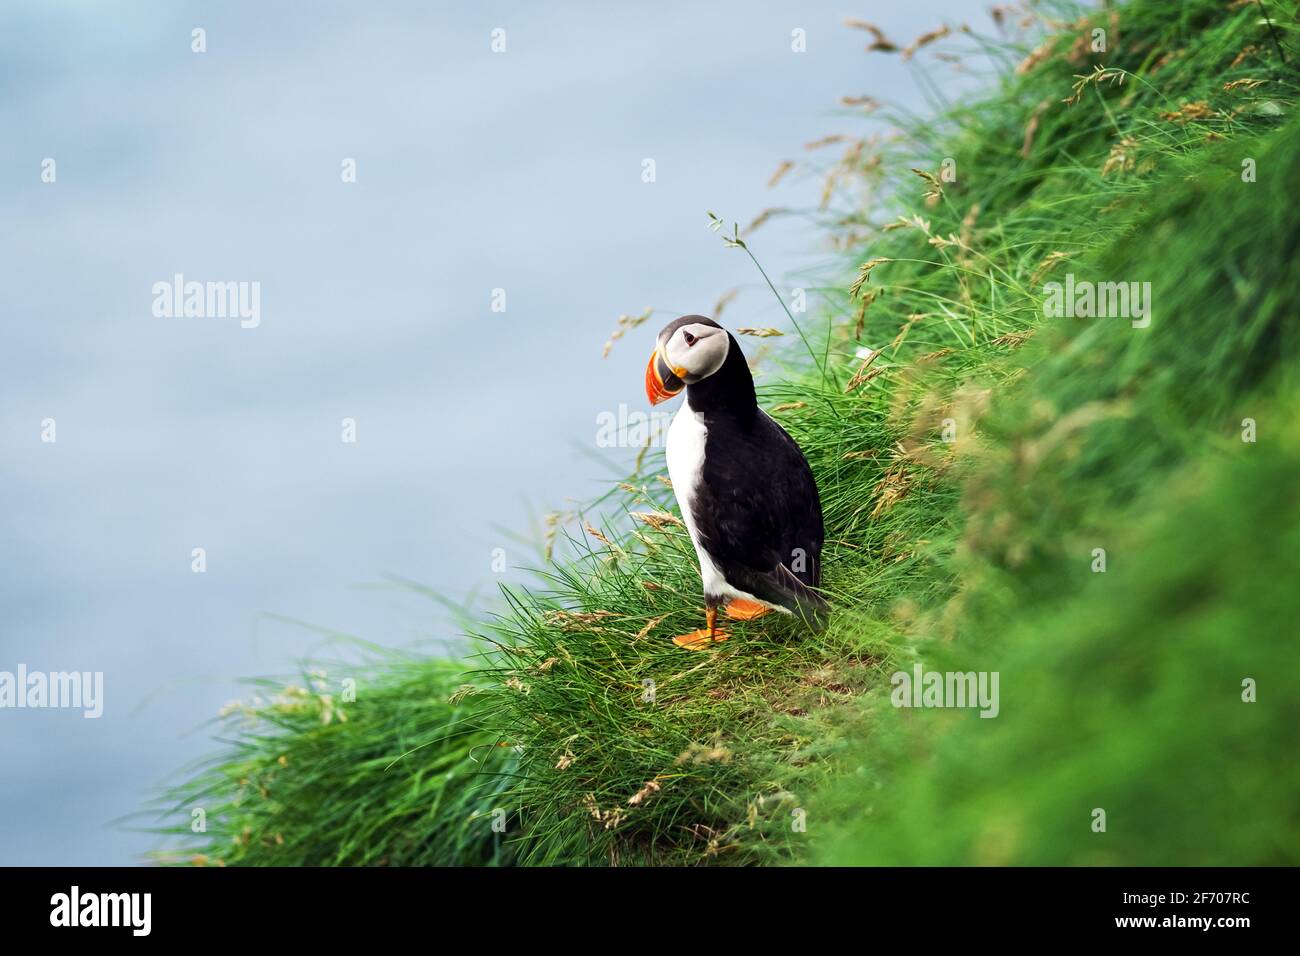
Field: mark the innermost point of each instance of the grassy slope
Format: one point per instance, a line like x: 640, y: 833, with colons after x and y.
x: 1123, y: 690
x: 1119, y: 690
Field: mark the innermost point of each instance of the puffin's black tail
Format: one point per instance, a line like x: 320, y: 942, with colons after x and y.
x: 802, y: 600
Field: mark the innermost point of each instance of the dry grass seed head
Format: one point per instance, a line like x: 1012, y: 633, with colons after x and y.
x: 879, y: 42
x: 924, y: 40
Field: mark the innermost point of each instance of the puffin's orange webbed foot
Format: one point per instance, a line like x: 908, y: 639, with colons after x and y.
x: 705, y: 637
x: 700, y: 640
x: 743, y: 609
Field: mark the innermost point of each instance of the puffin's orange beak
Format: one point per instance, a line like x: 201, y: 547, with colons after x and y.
x: 661, y: 383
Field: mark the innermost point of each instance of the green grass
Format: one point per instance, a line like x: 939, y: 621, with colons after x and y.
x: 597, y: 741
x: 307, y: 777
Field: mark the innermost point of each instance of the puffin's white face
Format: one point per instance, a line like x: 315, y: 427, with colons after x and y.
x: 687, y: 352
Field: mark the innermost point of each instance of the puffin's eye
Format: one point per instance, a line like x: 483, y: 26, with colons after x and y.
x: 690, y: 339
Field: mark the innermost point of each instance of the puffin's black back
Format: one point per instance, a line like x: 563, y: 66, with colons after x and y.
x: 757, y: 509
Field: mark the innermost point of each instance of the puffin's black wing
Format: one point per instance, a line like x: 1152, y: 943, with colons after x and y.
x: 758, y: 513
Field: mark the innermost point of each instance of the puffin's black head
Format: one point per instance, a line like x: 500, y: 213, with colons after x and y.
x: 689, y: 350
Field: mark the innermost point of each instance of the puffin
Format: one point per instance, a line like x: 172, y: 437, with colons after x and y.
x: 747, y: 496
